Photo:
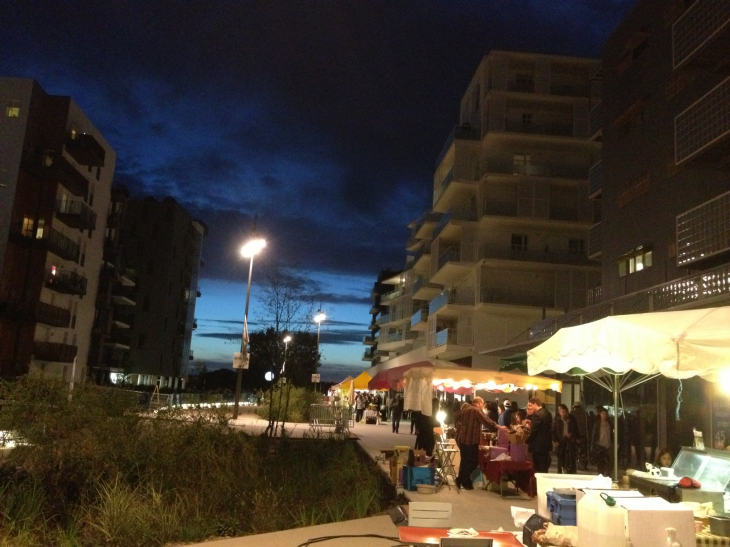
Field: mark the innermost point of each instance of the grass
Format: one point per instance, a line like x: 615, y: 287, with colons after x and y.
x: 93, y: 471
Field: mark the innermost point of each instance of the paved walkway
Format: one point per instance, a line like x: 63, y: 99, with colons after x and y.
x: 479, y: 509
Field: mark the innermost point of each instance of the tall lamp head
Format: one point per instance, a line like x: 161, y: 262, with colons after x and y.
x: 319, y: 317
x: 253, y: 247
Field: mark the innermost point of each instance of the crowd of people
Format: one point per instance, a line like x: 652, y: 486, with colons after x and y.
x: 578, y: 438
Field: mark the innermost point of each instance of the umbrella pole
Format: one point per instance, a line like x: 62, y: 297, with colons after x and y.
x: 615, y: 426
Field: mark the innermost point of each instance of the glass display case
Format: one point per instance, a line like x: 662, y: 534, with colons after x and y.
x: 711, y: 467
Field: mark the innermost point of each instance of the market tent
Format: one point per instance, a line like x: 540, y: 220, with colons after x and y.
x: 421, y: 380
x: 345, y: 387
x: 362, y: 381
x: 622, y: 351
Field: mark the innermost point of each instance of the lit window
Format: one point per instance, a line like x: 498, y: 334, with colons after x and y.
x: 635, y: 261
x: 41, y: 226
x: 27, y: 227
x: 12, y: 111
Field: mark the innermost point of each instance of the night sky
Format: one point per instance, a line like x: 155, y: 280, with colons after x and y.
x: 322, y: 118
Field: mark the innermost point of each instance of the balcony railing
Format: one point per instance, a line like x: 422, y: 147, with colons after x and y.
x: 551, y: 256
x: 48, y: 239
x: 703, y: 232
x: 460, y: 132
x: 703, y: 124
x: 692, y: 290
x: 36, y: 312
x: 595, y: 179
x: 595, y: 241
x: 569, y: 90
x: 76, y: 214
x: 66, y: 282
x: 557, y: 129
x: 85, y: 149
x: 54, y: 351
x: 54, y: 167
x: 445, y: 182
x: 452, y: 254
x: 463, y: 297
x: 446, y: 336
x: 701, y: 34
x: 428, y: 216
x: 518, y: 297
x: 595, y: 121
x: 421, y: 316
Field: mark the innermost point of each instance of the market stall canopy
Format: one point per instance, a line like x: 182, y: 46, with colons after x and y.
x: 456, y: 379
x: 676, y: 344
x: 343, y: 384
x: 362, y: 381
x: 622, y: 351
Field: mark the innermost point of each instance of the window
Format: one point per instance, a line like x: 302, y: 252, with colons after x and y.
x: 635, y: 261
x: 12, y: 111
x: 41, y: 226
x: 27, y: 227
x: 519, y: 242
x: 524, y: 82
x: 520, y: 163
x: 526, y: 118
x: 575, y: 246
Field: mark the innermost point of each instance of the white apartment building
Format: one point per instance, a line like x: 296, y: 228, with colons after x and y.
x: 505, y: 242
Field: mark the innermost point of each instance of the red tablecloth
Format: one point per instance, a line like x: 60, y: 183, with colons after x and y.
x: 522, y: 473
x: 431, y: 536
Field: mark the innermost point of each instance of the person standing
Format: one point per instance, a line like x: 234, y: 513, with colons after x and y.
x: 396, y: 411
x: 540, y: 438
x: 359, y: 407
x: 601, y: 451
x: 581, y: 419
x: 565, y: 433
x: 469, y: 423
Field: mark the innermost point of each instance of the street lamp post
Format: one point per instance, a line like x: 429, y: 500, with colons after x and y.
x: 286, y: 385
x: 249, y: 250
x: 318, y: 319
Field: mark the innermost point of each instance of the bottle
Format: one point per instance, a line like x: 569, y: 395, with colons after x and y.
x: 672, y: 538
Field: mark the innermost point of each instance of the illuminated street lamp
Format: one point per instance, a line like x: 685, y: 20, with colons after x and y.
x: 249, y: 250
x: 286, y: 385
x: 318, y: 319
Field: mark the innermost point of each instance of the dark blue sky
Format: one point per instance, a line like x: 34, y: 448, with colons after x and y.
x: 322, y: 117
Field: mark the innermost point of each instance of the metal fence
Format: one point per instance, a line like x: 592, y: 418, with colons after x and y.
x: 338, y: 418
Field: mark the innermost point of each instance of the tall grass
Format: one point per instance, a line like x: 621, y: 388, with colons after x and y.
x: 93, y: 471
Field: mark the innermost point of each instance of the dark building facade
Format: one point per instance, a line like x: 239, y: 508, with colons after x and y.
x: 55, y: 179
x: 146, y: 322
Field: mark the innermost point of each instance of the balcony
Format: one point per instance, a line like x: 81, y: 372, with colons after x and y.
x: 419, y: 320
x: 595, y: 123
x: 547, y: 256
x: 119, y: 339
x: 450, y: 343
x: 595, y: 180
x: 369, y: 341
x: 392, y: 294
x: 423, y: 290
x: 516, y: 297
x: 76, y: 214
x: 701, y: 36
x: 595, y: 241
x: 703, y: 233
x: 54, y: 167
x: 703, y: 129
x: 48, y: 239
x: 124, y: 295
x: 54, y: 352
x: 35, y: 312
x: 65, y: 282
x: 85, y: 149
x: 429, y: 217
x: 709, y: 288
x: 369, y: 354
x: 451, y: 297
x: 569, y: 90
x: 460, y: 132
x: 397, y: 340
x: 555, y: 129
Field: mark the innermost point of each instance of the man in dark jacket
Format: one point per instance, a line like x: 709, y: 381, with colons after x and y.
x: 469, y: 422
x: 540, y: 439
x: 581, y: 418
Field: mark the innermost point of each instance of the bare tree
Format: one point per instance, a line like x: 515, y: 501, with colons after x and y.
x: 287, y: 299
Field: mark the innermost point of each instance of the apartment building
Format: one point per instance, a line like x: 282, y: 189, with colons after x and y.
x: 152, y: 287
x: 505, y: 242
x: 382, y: 290
x: 55, y: 181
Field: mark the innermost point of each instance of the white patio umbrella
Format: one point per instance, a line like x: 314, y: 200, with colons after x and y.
x: 675, y: 344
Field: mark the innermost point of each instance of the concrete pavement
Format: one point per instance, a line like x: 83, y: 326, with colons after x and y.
x: 478, y: 509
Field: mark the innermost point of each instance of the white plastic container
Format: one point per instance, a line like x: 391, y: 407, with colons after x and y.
x: 547, y: 482
x: 600, y: 525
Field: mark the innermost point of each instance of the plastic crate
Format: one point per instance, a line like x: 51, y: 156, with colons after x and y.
x: 413, y: 476
x: 562, y: 509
